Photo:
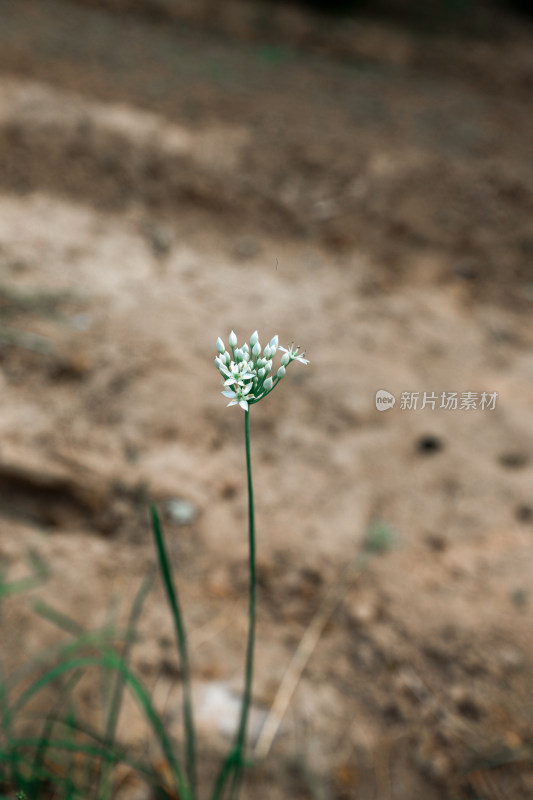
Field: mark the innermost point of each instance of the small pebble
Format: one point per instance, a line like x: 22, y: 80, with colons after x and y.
x: 524, y: 513
x: 182, y: 512
x: 436, y: 542
x: 520, y: 597
x: 429, y: 444
x: 246, y: 247
x: 511, y: 659
x: 160, y: 240
x: 514, y: 459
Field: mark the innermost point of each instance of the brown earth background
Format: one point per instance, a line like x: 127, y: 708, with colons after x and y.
x: 172, y: 171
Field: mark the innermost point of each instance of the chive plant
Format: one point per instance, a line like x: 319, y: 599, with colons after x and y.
x: 247, y: 378
x: 248, y: 375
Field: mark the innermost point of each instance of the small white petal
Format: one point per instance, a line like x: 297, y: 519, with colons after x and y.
x: 243, y: 404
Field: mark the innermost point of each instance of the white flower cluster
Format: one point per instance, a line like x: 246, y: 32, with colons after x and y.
x: 246, y: 372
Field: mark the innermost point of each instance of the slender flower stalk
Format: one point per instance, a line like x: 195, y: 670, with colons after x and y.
x: 249, y: 666
x: 246, y: 380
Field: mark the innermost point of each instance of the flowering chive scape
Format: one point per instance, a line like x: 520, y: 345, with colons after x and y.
x: 246, y: 379
x: 245, y: 372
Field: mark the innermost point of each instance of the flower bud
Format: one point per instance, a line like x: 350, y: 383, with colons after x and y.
x: 256, y: 349
x: 233, y: 339
x: 274, y: 344
x: 254, y: 338
x: 226, y: 357
x: 285, y: 358
x: 266, y: 352
x: 268, y: 366
x: 281, y: 372
x: 239, y: 355
x: 268, y: 384
x: 220, y: 346
x: 261, y: 372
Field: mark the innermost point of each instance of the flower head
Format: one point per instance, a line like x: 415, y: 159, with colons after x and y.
x: 245, y: 373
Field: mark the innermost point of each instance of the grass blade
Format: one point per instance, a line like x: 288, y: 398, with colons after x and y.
x: 58, y: 618
x: 182, y: 647
x: 70, y: 789
x: 104, y: 788
x: 111, y: 661
x: 94, y: 639
x: 39, y: 575
x: 50, y: 721
x: 146, y: 771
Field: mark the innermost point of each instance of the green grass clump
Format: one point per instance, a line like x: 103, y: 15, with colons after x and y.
x: 48, y: 764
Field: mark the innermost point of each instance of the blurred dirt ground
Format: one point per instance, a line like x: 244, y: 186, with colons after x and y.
x: 363, y: 190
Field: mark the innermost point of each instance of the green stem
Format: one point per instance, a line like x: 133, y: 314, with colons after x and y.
x: 233, y: 765
x: 241, y: 733
x: 251, y: 542
x: 172, y: 595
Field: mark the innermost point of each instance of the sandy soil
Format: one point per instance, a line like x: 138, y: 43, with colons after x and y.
x: 162, y: 183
